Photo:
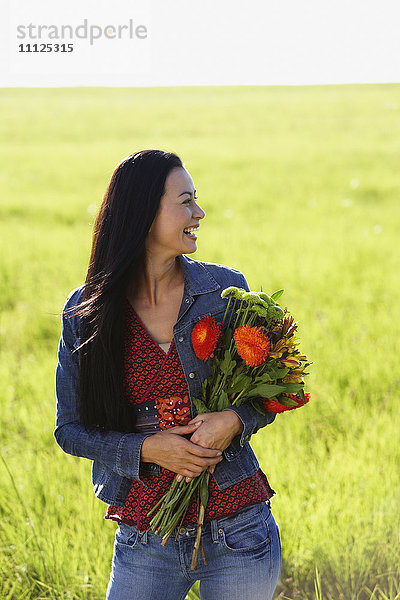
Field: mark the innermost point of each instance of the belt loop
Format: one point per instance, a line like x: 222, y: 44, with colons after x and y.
x: 143, y: 537
x: 214, y: 531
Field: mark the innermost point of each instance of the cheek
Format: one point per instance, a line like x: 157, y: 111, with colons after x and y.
x: 165, y: 226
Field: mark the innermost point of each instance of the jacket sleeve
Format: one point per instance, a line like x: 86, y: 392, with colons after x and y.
x: 118, y: 451
x: 252, y: 420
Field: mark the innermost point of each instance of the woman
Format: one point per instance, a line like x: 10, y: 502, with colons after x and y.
x: 125, y: 379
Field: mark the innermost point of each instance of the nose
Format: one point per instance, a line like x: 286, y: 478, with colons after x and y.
x: 198, y: 212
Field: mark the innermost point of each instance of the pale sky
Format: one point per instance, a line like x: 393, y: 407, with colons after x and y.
x: 207, y: 42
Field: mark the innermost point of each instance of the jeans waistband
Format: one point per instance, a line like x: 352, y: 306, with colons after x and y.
x: 213, y: 525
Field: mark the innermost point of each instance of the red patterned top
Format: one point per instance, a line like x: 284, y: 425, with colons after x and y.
x: 143, y: 359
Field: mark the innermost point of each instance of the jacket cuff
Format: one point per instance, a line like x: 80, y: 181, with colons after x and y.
x: 128, y: 455
x: 251, y: 419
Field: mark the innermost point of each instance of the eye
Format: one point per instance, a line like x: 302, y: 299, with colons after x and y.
x: 188, y: 200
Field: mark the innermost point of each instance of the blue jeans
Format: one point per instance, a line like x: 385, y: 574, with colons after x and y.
x: 243, y: 555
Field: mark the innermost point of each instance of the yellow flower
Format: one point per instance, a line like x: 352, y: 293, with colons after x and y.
x: 290, y: 361
x: 294, y: 376
x: 278, y: 349
x: 283, y: 345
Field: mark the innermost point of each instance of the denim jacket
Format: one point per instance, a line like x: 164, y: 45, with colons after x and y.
x: 116, y: 455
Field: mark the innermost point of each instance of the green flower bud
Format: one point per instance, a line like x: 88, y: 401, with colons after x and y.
x: 266, y: 298
x: 253, y: 298
x: 232, y: 292
x: 275, y: 313
x: 260, y: 311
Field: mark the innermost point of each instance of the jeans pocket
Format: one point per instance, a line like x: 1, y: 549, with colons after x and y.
x: 126, y: 536
x: 246, y: 532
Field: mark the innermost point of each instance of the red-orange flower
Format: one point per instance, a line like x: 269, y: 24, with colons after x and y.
x: 272, y: 405
x: 205, y: 336
x: 251, y: 344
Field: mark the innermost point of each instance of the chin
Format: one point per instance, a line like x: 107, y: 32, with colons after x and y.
x: 189, y: 247
x: 191, y: 250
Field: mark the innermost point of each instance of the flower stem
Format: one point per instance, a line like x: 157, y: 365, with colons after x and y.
x: 200, y: 521
x: 226, y: 311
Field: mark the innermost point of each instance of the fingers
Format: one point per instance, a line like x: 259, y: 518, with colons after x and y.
x: 188, y: 474
x: 184, y: 429
x: 197, y: 450
x: 195, y: 470
x: 202, y: 463
x: 197, y: 418
x: 202, y: 451
x: 179, y: 477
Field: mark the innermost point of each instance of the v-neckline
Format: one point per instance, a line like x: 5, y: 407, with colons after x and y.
x: 147, y: 332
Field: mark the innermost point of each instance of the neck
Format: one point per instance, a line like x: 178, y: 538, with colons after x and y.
x: 156, y: 279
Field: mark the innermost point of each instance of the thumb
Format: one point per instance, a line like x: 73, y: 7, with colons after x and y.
x: 183, y: 429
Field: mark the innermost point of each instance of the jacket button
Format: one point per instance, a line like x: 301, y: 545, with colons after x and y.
x: 180, y: 339
x: 187, y: 300
x: 192, y: 375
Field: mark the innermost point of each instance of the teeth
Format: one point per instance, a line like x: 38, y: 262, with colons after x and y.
x: 190, y: 229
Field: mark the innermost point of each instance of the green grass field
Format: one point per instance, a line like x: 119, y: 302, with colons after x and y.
x: 301, y: 191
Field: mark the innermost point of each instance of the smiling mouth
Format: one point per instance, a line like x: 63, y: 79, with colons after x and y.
x: 191, y: 231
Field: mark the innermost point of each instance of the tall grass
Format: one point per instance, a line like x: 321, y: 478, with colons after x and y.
x: 300, y: 188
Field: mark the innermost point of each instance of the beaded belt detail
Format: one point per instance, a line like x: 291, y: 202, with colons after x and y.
x: 146, y: 417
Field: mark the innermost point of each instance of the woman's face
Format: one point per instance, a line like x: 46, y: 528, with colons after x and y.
x: 173, y: 230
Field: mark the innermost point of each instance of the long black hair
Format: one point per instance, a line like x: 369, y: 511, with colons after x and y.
x: 128, y: 209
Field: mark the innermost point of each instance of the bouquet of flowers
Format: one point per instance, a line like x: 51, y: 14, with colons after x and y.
x: 253, y: 354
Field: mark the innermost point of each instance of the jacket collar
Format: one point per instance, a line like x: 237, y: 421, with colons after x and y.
x: 197, y: 278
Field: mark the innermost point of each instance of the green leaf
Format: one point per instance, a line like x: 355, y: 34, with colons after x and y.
x: 240, y: 382
x: 204, y: 390
x: 204, y: 491
x: 215, y: 366
x: 201, y: 407
x: 242, y: 400
x: 301, y: 394
x: 227, y: 337
x: 276, y: 295
x: 265, y: 390
x: 287, y: 401
x: 280, y: 373
x: 257, y: 407
x: 227, y: 365
x: 292, y: 388
x: 273, y: 373
x: 223, y: 401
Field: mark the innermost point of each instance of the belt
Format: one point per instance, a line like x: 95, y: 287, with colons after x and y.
x: 146, y: 417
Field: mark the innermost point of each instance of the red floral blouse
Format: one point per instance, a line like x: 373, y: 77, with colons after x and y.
x: 144, y: 360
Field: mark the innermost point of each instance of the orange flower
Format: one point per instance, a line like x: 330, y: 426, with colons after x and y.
x: 251, y: 344
x: 272, y: 405
x: 205, y: 337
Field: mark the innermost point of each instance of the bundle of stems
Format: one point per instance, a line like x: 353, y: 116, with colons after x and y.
x: 172, y: 507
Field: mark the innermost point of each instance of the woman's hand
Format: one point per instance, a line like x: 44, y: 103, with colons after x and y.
x: 217, y: 430
x: 171, y: 450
